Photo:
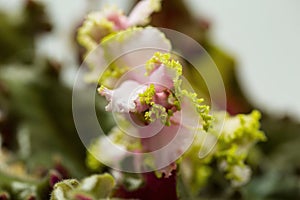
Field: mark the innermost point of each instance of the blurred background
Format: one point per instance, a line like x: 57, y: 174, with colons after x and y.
x: 253, y: 43
x: 262, y: 36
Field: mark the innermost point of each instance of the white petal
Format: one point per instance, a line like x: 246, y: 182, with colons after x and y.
x: 127, y: 49
x: 122, y: 99
x: 134, y: 47
x: 242, y: 173
x: 142, y: 11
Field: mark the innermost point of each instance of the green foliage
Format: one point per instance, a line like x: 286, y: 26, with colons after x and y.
x: 36, y: 123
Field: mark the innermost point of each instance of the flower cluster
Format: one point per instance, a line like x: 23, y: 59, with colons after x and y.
x: 143, y: 85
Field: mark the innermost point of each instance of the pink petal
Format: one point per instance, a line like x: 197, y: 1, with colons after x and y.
x: 172, y: 141
x: 168, y: 145
x: 120, y: 21
x: 163, y: 76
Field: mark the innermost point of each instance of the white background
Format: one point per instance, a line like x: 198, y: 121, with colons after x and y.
x: 264, y: 37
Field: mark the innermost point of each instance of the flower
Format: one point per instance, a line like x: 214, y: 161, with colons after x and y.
x: 142, y: 84
x: 119, y: 53
x: 164, y: 114
x: 110, y: 20
x: 227, y: 142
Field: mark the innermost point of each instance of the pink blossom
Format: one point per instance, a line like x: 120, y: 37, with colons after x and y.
x: 155, y: 97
